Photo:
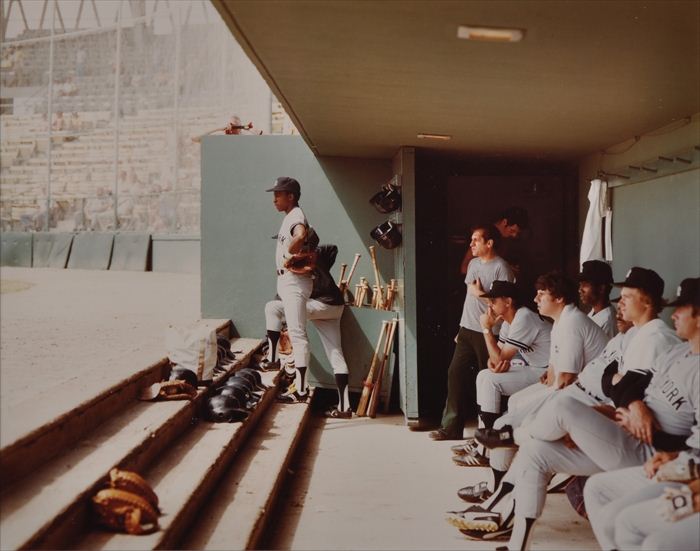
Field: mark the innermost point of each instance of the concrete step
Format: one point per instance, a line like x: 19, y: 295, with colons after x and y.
x: 34, y: 441
x: 235, y: 515
x: 50, y: 507
x: 184, y: 477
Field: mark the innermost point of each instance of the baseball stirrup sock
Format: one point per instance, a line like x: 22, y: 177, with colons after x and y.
x: 341, y: 379
x: 272, y: 338
x: 497, y: 476
x: 498, y: 494
x: 300, y: 380
x: 489, y: 418
x: 522, y: 534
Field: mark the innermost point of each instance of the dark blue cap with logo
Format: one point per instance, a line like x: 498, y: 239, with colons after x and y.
x: 688, y: 293
x: 503, y: 289
x: 596, y: 272
x: 645, y: 279
x: 285, y: 183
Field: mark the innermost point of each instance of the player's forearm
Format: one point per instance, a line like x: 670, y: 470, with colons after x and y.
x: 297, y: 242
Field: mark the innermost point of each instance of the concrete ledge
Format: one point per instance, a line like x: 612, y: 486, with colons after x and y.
x: 31, y: 450
x: 51, y: 508
x: 235, y: 515
x: 184, y: 478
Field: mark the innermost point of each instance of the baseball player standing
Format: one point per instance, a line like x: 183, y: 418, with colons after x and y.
x: 324, y: 308
x: 293, y: 289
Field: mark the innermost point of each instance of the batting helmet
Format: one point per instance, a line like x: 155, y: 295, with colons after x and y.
x: 387, y: 234
x: 183, y: 374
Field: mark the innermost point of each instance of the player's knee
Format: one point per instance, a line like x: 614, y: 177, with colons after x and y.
x: 272, y: 308
x: 624, y: 526
x: 592, y: 492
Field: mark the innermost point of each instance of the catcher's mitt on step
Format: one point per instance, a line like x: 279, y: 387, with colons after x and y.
x: 124, y: 511
x: 128, y: 504
x: 169, y: 390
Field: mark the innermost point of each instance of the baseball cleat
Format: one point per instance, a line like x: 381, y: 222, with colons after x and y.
x: 475, y: 494
x: 267, y: 365
x: 496, y: 438
x: 292, y: 396
x: 470, y: 447
x: 335, y: 413
x: 471, y: 460
x: 474, y: 518
x: 502, y: 533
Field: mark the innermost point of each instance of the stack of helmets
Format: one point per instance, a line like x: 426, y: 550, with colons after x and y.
x: 178, y: 373
x: 235, y: 399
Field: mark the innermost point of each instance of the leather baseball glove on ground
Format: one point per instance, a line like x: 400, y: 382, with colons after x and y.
x: 169, y: 390
x: 128, y: 504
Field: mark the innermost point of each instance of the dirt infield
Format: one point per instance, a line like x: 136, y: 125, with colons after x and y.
x: 67, y: 335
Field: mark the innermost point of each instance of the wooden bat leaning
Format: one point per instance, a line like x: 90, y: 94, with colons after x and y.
x: 367, y: 385
x: 377, y: 388
x: 341, y: 283
x: 373, y: 256
x: 352, y: 269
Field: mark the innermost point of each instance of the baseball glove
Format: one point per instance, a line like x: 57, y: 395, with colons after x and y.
x: 132, y: 482
x: 302, y: 263
x: 124, y: 511
x: 169, y: 390
x: 678, y: 470
x: 284, y: 346
x: 676, y: 503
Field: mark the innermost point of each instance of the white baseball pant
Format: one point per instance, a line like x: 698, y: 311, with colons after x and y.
x: 537, y: 423
x: 490, y: 386
x: 326, y: 319
x: 295, y: 290
x: 602, y: 445
x: 641, y: 525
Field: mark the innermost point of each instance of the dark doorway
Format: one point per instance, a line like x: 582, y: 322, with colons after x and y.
x: 452, y: 194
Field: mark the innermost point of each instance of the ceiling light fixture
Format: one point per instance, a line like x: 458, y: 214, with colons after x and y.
x: 434, y: 137
x: 490, y: 34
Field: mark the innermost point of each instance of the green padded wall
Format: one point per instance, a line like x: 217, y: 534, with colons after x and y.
x: 130, y: 251
x: 51, y: 250
x: 91, y: 251
x: 16, y: 249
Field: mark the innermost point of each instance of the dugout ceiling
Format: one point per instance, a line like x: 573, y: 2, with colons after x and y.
x: 362, y: 79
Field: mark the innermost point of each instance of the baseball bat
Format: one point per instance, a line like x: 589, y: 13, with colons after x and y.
x: 341, y: 283
x: 358, y: 293
x: 352, y: 268
x: 367, y: 384
x: 377, y: 388
x: 373, y: 256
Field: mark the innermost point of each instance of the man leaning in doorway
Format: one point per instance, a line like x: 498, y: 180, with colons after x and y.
x: 510, y: 223
x: 470, y: 355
